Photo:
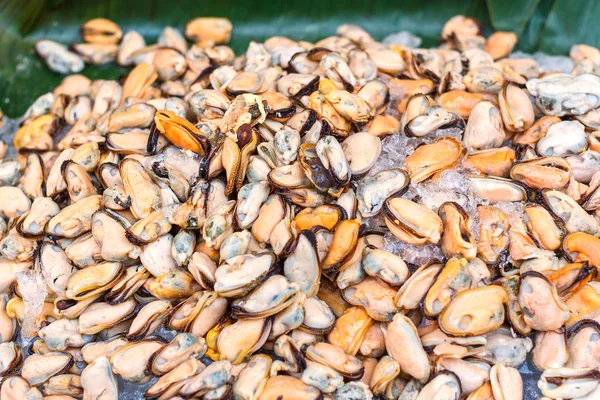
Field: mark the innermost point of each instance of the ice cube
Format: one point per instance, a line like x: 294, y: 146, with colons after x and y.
x: 454, y: 132
x: 417, y: 255
x: 32, y: 287
x: 403, y: 38
x: 394, y: 149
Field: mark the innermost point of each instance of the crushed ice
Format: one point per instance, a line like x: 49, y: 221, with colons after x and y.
x: 32, y: 287
x: 452, y: 185
x: 403, y: 38
x: 412, y: 254
x: 394, y: 149
x: 454, y: 132
x: 547, y: 62
x: 515, y: 209
x: 515, y: 212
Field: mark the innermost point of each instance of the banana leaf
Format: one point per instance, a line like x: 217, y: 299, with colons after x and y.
x: 547, y: 25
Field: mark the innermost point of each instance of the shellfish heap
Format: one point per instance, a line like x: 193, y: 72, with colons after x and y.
x: 253, y: 208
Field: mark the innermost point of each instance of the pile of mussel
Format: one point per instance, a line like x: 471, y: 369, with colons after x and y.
x: 204, y: 226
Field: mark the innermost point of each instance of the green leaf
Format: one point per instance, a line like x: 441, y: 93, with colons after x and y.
x: 531, y: 37
x: 571, y: 22
x: 511, y: 19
